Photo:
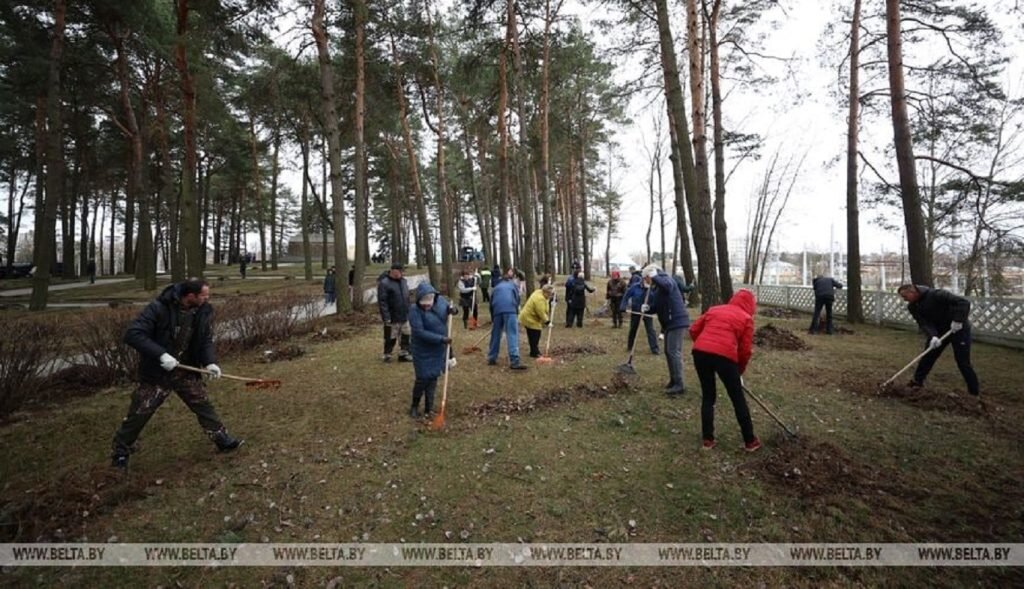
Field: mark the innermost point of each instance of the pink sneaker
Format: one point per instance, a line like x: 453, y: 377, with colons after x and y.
x: 752, y: 446
x: 709, y: 444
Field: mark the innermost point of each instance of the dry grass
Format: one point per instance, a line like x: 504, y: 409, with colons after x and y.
x: 558, y: 453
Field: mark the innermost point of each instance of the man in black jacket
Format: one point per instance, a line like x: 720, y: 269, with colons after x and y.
x: 824, y: 295
x: 937, y: 312
x: 393, y: 300
x: 175, y: 325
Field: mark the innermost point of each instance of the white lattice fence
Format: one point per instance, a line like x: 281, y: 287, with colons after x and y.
x: 994, y: 320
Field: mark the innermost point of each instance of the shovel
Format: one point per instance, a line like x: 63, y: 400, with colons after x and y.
x: 912, y: 362
x: 785, y: 427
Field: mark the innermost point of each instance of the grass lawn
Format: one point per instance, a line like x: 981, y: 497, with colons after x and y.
x: 560, y: 453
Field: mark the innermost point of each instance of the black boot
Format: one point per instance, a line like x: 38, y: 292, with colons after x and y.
x: 226, y: 443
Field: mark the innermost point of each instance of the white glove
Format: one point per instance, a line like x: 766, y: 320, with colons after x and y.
x: 214, y: 369
x: 644, y: 308
x: 452, y: 362
x: 956, y: 326
x: 661, y: 336
x: 934, y: 343
x: 168, y: 362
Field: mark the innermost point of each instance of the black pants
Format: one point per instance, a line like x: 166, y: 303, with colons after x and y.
x: 652, y: 336
x: 533, y: 335
x: 424, y: 387
x: 466, y: 313
x: 390, y: 339
x: 574, y: 315
x: 961, y: 342
x: 148, y: 397
x: 820, y: 302
x: 707, y: 366
x: 487, y: 297
x: 613, y: 303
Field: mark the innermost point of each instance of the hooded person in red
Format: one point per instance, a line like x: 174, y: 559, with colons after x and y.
x: 723, y: 338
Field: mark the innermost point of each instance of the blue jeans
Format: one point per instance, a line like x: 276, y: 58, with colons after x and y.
x: 508, y: 323
x: 674, y: 354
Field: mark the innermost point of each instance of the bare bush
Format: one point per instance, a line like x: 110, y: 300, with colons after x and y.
x: 98, y: 335
x: 27, y: 349
x: 250, y: 322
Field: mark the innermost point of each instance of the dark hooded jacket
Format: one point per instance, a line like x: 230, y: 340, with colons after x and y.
x: 429, y: 328
x: 667, y: 302
x: 152, y: 334
x: 727, y: 330
x: 825, y: 287
x: 393, y: 299
x: 937, y: 309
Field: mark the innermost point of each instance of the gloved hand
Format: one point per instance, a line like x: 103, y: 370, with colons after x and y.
x: 546, y: 323
x: 956, y: 326
x: 214, y: 369
x: 168, y: 362
x: 446, y: 340
x: 645, y: 308
x: 452, y: 362
x: 934, y: 343
x: 453, y: 310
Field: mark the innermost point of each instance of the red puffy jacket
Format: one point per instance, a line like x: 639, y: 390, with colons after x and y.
x: 727, y: 330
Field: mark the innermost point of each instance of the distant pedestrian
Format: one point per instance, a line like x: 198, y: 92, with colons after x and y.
x: 242, y: 265
x: 504, y: 320
x: 485, y: 284
x: 824, y: 295
x: 614, y: 292
x: 496, y: 275
x: 351, y: 282
x: 535, y: 316
x: 177, y: 325
x: 633, y: 301
x: 428, y: 318
x: 393, y: 301
x: 668, y: 304
x: 723, y: 338
x: 90, y: 269
x: 936, y: 312
x: 576, y: 299
x: 330, y: 287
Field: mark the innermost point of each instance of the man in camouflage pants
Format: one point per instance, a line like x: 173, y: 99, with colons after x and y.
x: 175, y: 325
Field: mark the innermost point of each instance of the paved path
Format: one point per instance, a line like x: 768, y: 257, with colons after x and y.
x: 20, y: 292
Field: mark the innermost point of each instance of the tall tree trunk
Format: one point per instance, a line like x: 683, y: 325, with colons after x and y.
x: 307, y: 254
x: 917, y: 243
x: 14, y: 216
x: 443, y: 207
x: 698, y: 199
x: 334, y: 149
x: 584, y: 217
x: 721, y: 228
x: 167, y: 194
x: 189, y: 239
x: 505, y: 255
x: 362, y: 203
x: 275, y: 171
x: 522, y: 155
x: 257, y: 181
x: 678, y: 183
x: 545, y: 141
x: 68, y: 204
x: 854, y: 308
x: 46, y: 221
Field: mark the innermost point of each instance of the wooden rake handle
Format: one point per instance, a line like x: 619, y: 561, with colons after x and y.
x: 914, y: 361
x: 223, y: 374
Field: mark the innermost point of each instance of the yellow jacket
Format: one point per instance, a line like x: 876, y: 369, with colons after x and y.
x: 535, y: 312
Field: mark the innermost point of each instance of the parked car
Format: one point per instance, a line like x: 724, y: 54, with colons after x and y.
x: 469, y: 254
x: 17, y: 270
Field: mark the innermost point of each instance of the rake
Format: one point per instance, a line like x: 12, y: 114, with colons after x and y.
x: 627, y: 368
x: 255, y: 383
x: 785, y: 427
x: 438, y: 421
x: 545, y: 358
x: 912, y: 362
x: 476, y: 346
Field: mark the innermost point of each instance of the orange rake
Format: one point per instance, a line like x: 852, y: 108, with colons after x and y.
x: 545, y: 358
x: 438, y: 422
x: 476, y: 346
x: 253, y: 383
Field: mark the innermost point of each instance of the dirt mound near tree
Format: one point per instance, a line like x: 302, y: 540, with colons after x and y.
x: 778, y: 313
x: 59, y: 510
x: 550, y: 398
x: 567, y: 350
x: 923, y: 398
x: 282, y: 353
x: 778, y: 338
x: 818, y: 471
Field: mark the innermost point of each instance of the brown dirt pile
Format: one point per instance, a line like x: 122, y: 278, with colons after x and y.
x: 550, y: 398
x: 778, y: 338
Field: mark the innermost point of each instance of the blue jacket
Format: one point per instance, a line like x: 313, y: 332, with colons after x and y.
x: 634, y: 297
x: 505, y: 298
x: 667, y: 302
x: 429, y: 328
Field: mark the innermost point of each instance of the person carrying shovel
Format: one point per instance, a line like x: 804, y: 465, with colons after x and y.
x: 428, y: 318
x: 940, y: 313
x: 723, y: 338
